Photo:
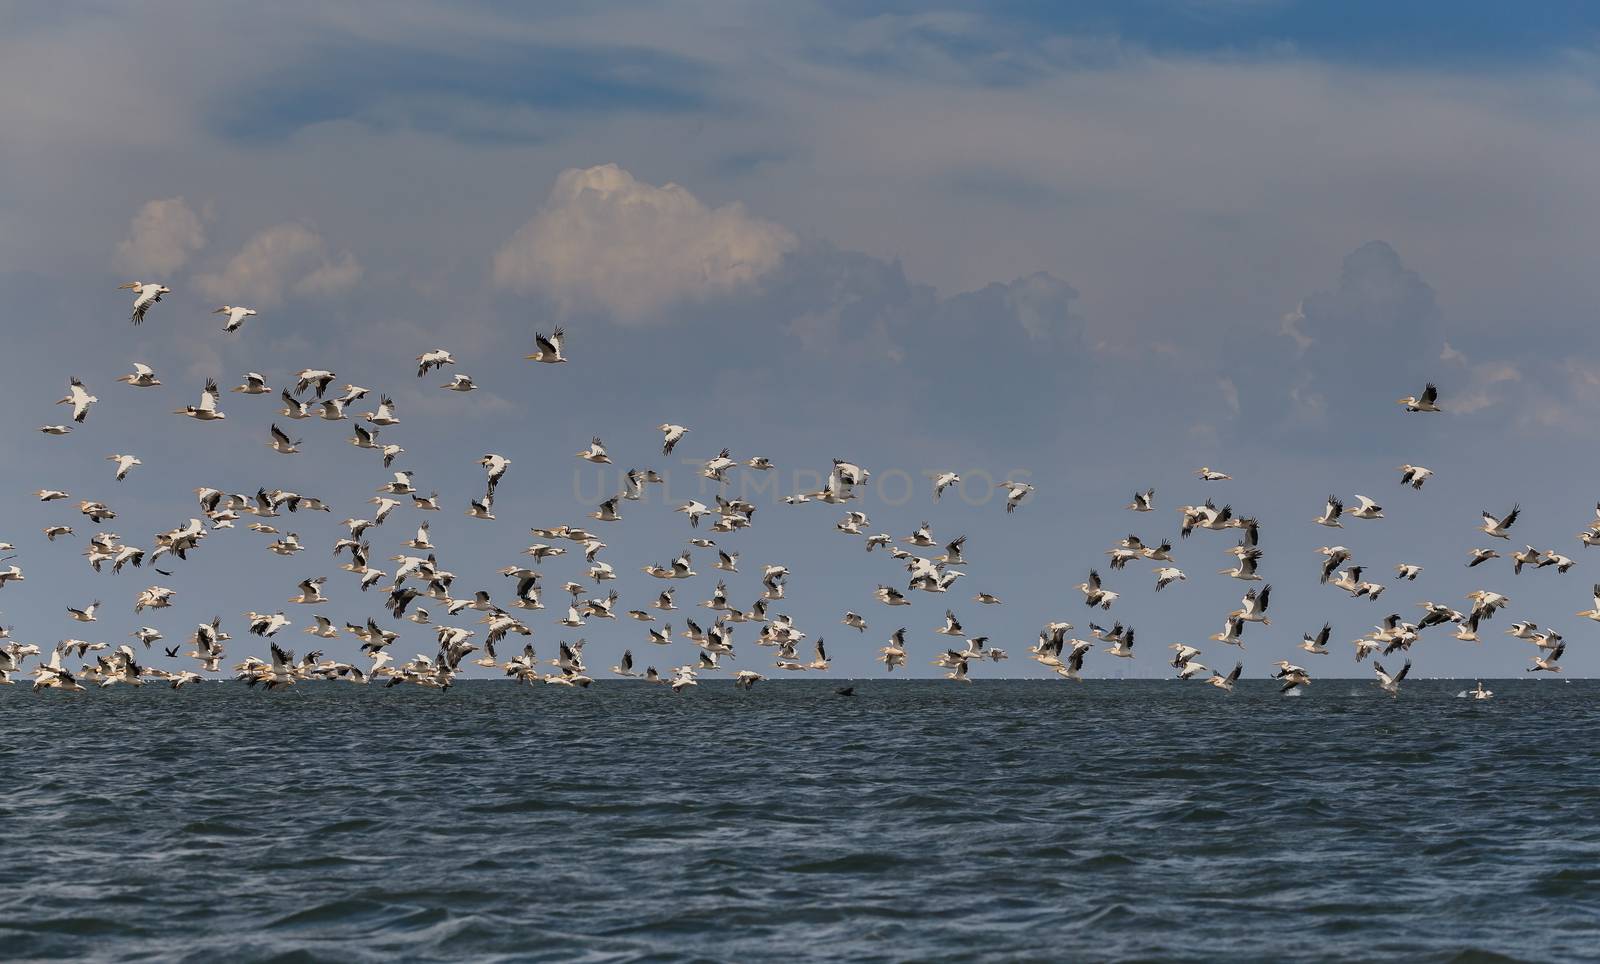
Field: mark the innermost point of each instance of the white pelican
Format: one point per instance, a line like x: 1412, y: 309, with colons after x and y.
x: 1390, y: 684
x: 1143, y: 501
x: 1015, y: 493
x: 1407, y: 571
x: 1317, y: 644
x: 313, y: 377
x: 236, y: 315
x: 625, y: 666
x: 1330, y: 514
x: 890, y: 596
x: 1480, y: 556
x: 460, y: 383
x: 1594, y: 613
x: 1368, y: 509
x: 1254, y: 606
x: 1480, y: 693
x: 1225, y: 683
x: 145, y: 294
x: 1232, y: 630
x: 1497, y: 527
x: 125, y: 464
x: 747, y: 678
x: 1526, y: 556
x: 255, y: 383
x: 1093, y: 594
x: 1428, y: 402
x: 1166, y: 575
x: 988, y: 599
x: 384, y: 415
x: 324, y: 628
x: 596, y: 452
x: 281, y: 444
x: 495, y: 466
x: 79, y: 398
x: 671, y: 434
x: 942, y: 481
x: 86, y: 614
x: 143, y: 376
x: 1414, y: 475
x: 206, y: 411
x: 548, y: 348
x: 759, y: 462
x: 1553, y: 558
x: 438, y: 358
x: 1546, y: 662
x: 1206, y: 473
x: 60, y: 430
x: 311, y: 592
x: 855, y: 621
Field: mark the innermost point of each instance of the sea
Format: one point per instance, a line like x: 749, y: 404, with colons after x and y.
x: 910, y: 821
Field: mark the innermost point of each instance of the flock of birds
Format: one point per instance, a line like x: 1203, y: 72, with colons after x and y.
x: 417, y: 587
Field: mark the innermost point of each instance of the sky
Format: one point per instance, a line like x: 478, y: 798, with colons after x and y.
x: 1093, y: 246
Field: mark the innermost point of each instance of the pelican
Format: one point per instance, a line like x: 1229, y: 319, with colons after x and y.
x: 206, y: 411
x: 1317, y: 644
x: 86, y: 614
x: 1093, y: 594
x: 988, y: 599
x: 894, y: 653
x: 747, y: 678
x: 495, y: 466
x: 143, y: 376
x: 432, y: 360
x: 1166, y: 575
x: 855, y: 621
x: 1390, y: 684
x: 1526, y: 556
x: 145, y: 294
x: 1368, y: 509
x: 1225, y: 683
x: 1480, y: 556
x: 60, y: 430
x: 1428, y: 402
x: 255, y: 383
x: 1497, y: 527
x: 311, y: 592
x: 942, y: 481
x: 549, y: 349
x: 384, y: 415
x: 1254, y: 606
x: 671, y: 434
x: 1015, y: 493
x: 1414, y: 475
x: 1206, y: 473
x: 1594, y: 613
x: 890, y: 596
x: 624, y: 667
x: 281, y: 444
x: 236, y: 315
x: 1408, y: 572
x: 1232, y: 630
x: 596, y: 452
x: 1480, y: 693
x: 1291, y: 676
x: 460, y: 382
x: 1546, y: 662
x: 1330, y: 514
x: 1143, y: 501
x: 125, y: 464
x: 79, y: 398
x: 1553, y: 558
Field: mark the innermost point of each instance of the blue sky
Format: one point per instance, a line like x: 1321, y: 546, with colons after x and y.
x: 1102, y: 244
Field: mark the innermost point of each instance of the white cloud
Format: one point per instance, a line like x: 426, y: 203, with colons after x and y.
x: 161, y: 237
x: 285, y: 257
x: 604, y: 239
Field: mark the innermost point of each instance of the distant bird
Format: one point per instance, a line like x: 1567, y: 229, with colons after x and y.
x: 1143, y: 501
x: 255, y: 383
x: 1407, y: 571
x: 942, y: 481
x: 236, y: 316
x: 79, y: 398
x: 433, y: 360
x: 1496, y: 527
x: 1427, y: 402
x: 671, y: 435
x: 125, y: 464
x: 143, y: 376
x: 548, y: 348
x: 1480, y: 556
x: 1207, y: 474
x: 145, y: 294
x: 460, y: 383
x: 1015, y: 493
x: 1414, y: 475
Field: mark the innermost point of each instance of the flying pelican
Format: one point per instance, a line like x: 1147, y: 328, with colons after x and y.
x: 671, y: 434
x: 460, y: 382
x: 206, y: 411
x: 1428, y: 402
x: 548, y: 347
x: 1368, y: 509
x: 1166, y: 575
x: 1093, y: 594
x: 236, y: 315
x: 1207, y: 474
x: 79, y: 398
x: 281, y: 444
x: 1414, y: 475
x: 1391, y: 684
x: 438, y: 358
x: 255, y: 383
x: 1406, y: 571
x: 1480, y: 556
x: 125, y: 464
x: 596, y: 452
x: 1330, y: 514
x: 1015, y: 493
x: 145, y: 294
x: 1317, y: 644
x: 143, y: 376
x: 1143, y: 501
x: 1546, y: 662
x: 1497, y: 527
x: 1225, y: 683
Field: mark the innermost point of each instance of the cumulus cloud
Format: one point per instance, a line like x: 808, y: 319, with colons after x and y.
x: 606, y: 240
x: 161, y: 237
x: 287, y: 257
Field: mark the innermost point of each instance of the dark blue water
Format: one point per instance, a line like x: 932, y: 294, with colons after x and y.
x: 998, y: 821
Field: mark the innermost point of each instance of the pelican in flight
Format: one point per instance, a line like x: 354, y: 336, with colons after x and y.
x: 1368, y: 509
x: 236, y: 316
x: 460, y: 382
x: 143, y: 376
x: 79, y: 398
x: 1427, y: 402
x: 1317, y: 644
x: 281, y: 444
x: 206, y: 411
x: 1414, y: 475
x: 1143, y: 501
x: 428, y: 360
x: 1390, y: 684
x: 1407, y: 571
x: 1254, y: 606
x: 1093, y: 594
x: 145, y: 294
x: 125, y: 464
x: 1225, y: 683
x: 1206, y: 473
x: 942, y: 481
x: 1546, y: 662
x: 596, y: 452
x: 1167, y: 575
x: 1330, y: 514
x: 1015, y: 493
x: 670, y: 436
x: 1496, y: 528
x: 548, y: 347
